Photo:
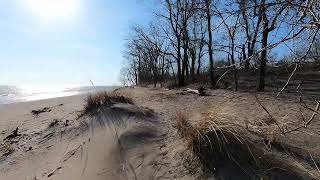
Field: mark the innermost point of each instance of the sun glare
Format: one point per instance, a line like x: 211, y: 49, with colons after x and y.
x: 54, y: 9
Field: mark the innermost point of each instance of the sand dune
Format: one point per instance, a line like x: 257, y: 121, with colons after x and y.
x: 118, y: 143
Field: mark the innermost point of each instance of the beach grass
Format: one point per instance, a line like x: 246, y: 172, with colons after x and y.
x: 217, y: 141
x: 99, y: 99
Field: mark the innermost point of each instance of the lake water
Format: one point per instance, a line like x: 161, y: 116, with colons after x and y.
x: 14, y: 94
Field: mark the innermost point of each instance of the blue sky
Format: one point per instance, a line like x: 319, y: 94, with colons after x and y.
x: 46, y: 42
x: 39, y: 46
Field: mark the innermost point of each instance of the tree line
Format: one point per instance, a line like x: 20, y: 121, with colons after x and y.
x: 192, y: 39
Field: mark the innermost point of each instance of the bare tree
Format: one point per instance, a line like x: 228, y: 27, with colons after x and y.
x: 180, y: 41
x: 208, y: 9
x: 197, y: 42
x: 251, y: 24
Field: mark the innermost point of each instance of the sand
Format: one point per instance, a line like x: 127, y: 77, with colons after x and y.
x: 120, y: 143
x: 131, y: 141
x: 240, y: 107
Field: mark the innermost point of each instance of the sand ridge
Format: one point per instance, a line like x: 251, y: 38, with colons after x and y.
x: 118, y: 143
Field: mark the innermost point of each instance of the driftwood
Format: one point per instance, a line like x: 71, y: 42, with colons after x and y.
x: 192, y: 91
x: 53, y: 172
x: 39, y: 111
x: 13, y: 134
x: 200, y: 91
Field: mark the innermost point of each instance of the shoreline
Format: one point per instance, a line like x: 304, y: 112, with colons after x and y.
x: 36, y: 96
x: 46, y: 99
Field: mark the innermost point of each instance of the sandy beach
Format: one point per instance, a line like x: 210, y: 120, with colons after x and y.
x: 159, y: 90
x: 127, y: 141
x: 56, y: 145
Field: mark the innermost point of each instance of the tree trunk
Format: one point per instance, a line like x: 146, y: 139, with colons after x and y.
x: 162, y: 71
x: 184, y: 64
x: 263, y: 57
x: 187, y: 69
x: 155, y: 72
x: 199, y: 60
x: 139, y: 70
x: 235, y: 76
x: 135, y: 72
x: 173, y: 73
x: 211, y: 68
x: 199, y: 66
x: 193, y: 62
x: 244, y: 56
x: 180, y: 81
x: 185, y: 54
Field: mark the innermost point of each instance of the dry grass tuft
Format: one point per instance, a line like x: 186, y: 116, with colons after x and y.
x: 6, y: 150
x: 183, y: 125
x: 97, y: 100
x: 217, y: 141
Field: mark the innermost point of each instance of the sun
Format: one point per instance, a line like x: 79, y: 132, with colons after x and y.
x: 53, y: 9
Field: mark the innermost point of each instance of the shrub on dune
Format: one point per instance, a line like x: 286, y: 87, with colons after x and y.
x: 104, y: 98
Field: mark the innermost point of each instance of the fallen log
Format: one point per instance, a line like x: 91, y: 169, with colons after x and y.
x: 192, y: 91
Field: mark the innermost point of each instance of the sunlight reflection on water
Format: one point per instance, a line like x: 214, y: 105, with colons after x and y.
x: 12, y: 94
